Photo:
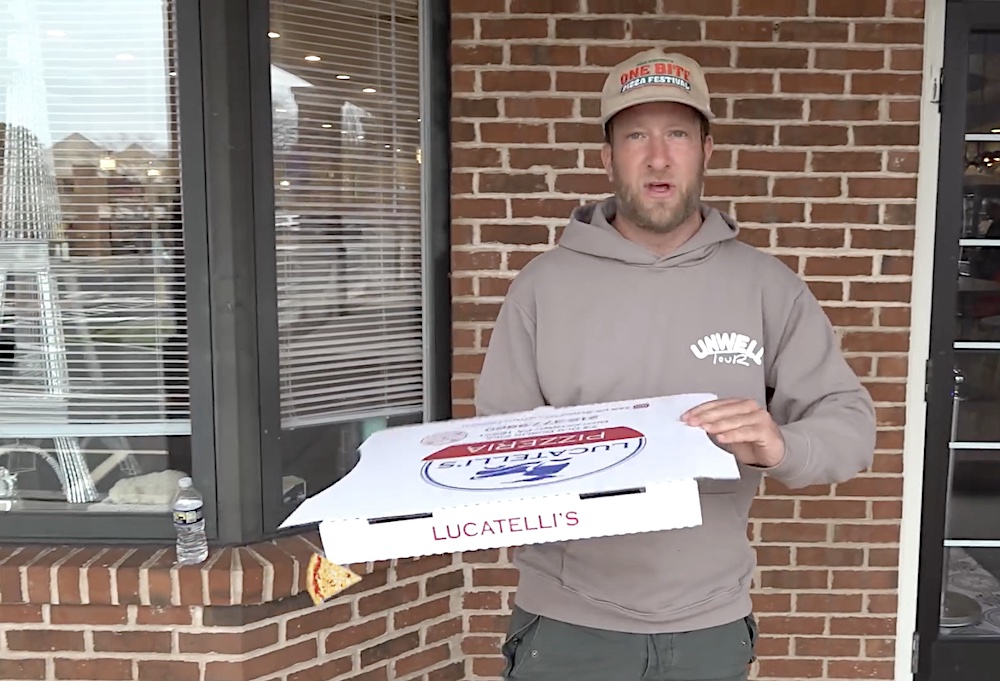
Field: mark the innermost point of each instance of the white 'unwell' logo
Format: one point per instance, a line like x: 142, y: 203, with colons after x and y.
x: 729, y: 348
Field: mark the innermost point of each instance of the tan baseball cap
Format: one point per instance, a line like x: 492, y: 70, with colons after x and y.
x: 655, y: 76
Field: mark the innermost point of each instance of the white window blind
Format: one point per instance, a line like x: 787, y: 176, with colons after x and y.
x: 346, y: 107
x: 93, y: 336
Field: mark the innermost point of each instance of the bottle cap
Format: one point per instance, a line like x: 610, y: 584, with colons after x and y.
x: 184, y: 483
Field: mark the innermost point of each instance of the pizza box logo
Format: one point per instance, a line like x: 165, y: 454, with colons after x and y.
x: 518, y: 463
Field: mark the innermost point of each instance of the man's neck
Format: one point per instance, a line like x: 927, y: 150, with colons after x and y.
x: 660, y: 244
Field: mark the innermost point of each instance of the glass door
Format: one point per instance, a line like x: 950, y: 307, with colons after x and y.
x: 958, y: 618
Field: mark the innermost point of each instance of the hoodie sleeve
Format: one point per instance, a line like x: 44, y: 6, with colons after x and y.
x: 508, y: 381
x: 826, y: 416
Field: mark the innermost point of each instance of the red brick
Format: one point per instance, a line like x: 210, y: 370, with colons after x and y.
x: 889, y: 32
x: 768, y: 109
x: 620, y: 6
x: 544, y: 6
x: 843, y: 110
x: 820, y: 556
x: 44, y: 640
x: 886, y: 83
x: 792, y: 668
x: 849, y: 60
x: 476, y: 54
x: 26, y: 614
x: 794, y: 579
x: 752, y: 159
x: 801, y: 237
x: 503, y: 29
x: 740, y: 29
x: 666, y: 29
x: 813, y: 31
x: 93, y: 669
x: 887, y: 135
x: 812, y: 135
x: 827, y: 187
x: 819, y: 83
x: 515, y: 81
x: 828, y: 603
x: 708, y: 8
x: 827, y: 647
x: 586, y: 29
x: 22, y: 669
x: 166, y: 670
x: 851, y: 8
x: 772, y: 58
x: 770, y: 212
x: 862, y: 626
x: 133, y: 641
x: 773, y: 8
x: 733, y: 81
x: 846, y: 161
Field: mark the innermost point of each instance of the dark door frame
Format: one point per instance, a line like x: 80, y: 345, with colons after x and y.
x: 952, y: 658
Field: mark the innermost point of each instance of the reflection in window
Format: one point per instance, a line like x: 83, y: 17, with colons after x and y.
x: 970, y: 604
x: 93, y: 341
x: 348, y: 215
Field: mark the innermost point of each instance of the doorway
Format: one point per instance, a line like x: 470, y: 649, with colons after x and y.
x: 958, y: 608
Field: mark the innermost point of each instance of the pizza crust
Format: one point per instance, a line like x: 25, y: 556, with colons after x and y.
x: 324, y: 579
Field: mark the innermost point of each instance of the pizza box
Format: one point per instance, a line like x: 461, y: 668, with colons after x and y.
x: 546, y: 475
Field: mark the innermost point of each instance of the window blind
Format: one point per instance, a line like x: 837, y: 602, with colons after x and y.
x: 93, y: 333
x: 345, y: 84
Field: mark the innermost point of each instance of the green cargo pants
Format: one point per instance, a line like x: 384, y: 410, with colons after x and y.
x: 542, y: 649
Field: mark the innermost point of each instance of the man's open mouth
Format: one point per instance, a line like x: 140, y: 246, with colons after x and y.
x: 659, y: 188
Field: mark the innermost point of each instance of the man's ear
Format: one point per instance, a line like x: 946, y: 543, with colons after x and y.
x: 709, y: 148
x: 606, y: 158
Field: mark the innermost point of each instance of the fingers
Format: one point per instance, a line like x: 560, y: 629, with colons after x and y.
x: 732, y: 423
x: 748, y: 433
x: 718, y: 411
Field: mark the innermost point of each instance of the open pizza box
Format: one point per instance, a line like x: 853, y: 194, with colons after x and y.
x: 547, y: 475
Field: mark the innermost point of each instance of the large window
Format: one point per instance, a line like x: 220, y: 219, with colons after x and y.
x: 224, y: 253
x: 94, y: 408
x: 345, y: 89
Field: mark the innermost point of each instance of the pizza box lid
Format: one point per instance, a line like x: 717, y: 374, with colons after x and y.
x: 550, y: 474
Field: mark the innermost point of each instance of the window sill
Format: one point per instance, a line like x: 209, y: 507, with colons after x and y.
x: 146, y: 576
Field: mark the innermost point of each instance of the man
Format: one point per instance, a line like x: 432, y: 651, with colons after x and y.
x: 628, y: 306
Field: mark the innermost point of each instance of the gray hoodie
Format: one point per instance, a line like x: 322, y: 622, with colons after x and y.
x: 600, y: 318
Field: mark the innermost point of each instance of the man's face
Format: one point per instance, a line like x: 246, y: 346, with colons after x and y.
x: 656, y: 161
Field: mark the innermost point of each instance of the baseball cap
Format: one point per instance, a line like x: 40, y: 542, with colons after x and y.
x: 655, y: 76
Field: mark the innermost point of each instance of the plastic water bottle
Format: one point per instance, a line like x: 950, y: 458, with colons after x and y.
x: 189, y: 522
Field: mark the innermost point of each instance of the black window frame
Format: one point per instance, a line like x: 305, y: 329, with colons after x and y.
x: 224, y: 100
x: 938, y: 658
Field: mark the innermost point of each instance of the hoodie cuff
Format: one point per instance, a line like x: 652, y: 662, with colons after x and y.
x: 796, y: 461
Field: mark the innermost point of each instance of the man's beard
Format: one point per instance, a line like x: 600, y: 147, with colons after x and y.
x: 661, y: 217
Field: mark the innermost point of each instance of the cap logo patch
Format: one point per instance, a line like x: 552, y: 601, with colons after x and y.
x: 656, y: 73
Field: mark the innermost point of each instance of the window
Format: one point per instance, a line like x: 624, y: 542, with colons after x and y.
x: 345, y: 91
x: 223, y: 252
x: 94, y: 405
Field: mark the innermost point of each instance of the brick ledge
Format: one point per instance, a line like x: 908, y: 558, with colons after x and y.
x: 120, y: 575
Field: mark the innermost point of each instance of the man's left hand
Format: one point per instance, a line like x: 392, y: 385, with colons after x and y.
x: 742, y: 427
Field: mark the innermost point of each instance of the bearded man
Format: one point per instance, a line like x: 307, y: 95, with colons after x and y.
x: 649, y: 293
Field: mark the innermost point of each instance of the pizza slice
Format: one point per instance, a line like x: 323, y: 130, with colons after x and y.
x: 324, y: 579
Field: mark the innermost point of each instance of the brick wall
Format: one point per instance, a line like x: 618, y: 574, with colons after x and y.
x: 128, y: 614
x: 816, y: 156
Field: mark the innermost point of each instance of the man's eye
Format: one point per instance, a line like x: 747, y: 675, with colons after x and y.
x: 679, y: 133
x: 634, y: 135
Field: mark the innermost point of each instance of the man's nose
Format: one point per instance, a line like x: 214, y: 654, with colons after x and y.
x: 659, y: 154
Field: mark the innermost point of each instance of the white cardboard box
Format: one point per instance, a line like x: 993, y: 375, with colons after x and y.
x: 552, y: 474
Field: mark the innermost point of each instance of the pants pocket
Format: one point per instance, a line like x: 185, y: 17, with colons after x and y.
x: 753, y: 631
x: 522, y: 626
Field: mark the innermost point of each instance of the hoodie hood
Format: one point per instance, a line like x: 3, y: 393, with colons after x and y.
x: 590, y: 232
